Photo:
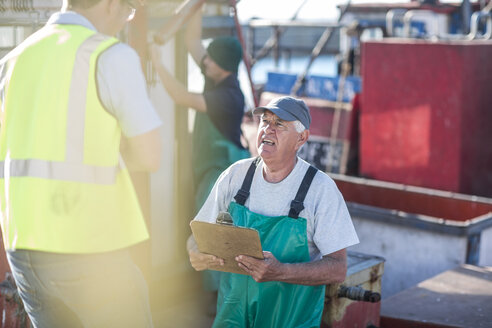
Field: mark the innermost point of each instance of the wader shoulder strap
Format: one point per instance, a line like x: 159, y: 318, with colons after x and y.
x: 297, y: 205
x: 243, y: 193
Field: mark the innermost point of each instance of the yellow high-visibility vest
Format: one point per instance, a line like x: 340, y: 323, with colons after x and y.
x: 63, y: 185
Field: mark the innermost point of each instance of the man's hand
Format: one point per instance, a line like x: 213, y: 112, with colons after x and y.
x: 268, y: 269
x: 200, y: 261
x: 156, y: 57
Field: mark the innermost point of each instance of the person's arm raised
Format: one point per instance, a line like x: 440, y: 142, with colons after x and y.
x: 193, y: 37
x: 176, y: 89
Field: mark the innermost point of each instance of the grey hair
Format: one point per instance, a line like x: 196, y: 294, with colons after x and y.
x: 299, y: 129
x: 299, y: 126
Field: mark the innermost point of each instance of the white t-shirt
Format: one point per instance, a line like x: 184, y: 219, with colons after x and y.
x: 329, y: 226
x: 121, y: 83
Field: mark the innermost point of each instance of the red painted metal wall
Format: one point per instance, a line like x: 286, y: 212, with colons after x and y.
x: 426, y: 111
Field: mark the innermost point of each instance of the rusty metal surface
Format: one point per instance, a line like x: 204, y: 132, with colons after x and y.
x: 456, y: 298
x: 364, y: 271
x: 358, y: 315
x: 12, y: 314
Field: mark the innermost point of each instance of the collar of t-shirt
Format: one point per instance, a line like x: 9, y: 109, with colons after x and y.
x: 229, y: 81
x: 70, y: 18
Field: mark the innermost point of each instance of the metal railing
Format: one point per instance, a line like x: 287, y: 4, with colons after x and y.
x: 480, y: 24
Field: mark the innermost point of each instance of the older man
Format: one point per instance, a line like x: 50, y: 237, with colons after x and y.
x: 302, y: 220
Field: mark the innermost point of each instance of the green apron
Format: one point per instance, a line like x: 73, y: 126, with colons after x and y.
x: 243, y: 302
x: 212, y: 154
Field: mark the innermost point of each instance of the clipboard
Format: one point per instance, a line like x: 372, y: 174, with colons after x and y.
x: 226, y: 242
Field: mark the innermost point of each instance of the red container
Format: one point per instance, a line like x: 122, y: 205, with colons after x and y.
x: 426, y: 114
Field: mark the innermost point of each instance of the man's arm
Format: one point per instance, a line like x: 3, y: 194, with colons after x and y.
x: 193, y: 37
x: 176, y: 89
x: 330, y: 269
x: 142, y: 152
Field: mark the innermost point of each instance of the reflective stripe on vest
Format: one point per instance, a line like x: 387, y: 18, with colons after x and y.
x: 72, y: 169
x: 37, y: 168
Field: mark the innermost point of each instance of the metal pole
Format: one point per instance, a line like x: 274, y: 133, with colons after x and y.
x: 273, y: 40
x: 336, y: 120
x: 465, y: 15
x: 324, y: 39
x: 245, y: 55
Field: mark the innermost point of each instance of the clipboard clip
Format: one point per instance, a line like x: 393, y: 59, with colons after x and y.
x: 224, y: 218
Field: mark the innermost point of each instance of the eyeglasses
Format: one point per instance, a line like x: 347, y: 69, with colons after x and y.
x: 273, y: 123
x: 133, y: 7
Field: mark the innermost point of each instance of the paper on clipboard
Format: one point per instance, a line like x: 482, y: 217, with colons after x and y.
x: 226, y: 242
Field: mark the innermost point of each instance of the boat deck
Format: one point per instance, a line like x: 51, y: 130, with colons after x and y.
x: 456, y: 298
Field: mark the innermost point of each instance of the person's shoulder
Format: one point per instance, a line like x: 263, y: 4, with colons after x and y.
x: 121, y: 49
x: 229, y: 85
x: 238, y: 169
x: 321, y: 180
x: 119, y: 54
x: 325, y: 182
x: 241, y: 165
x: 232, y: 80
x: 234, y: 174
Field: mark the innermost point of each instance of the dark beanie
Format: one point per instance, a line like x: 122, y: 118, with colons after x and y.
x: 226, y: 51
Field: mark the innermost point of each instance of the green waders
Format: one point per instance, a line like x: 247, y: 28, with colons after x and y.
x: 243, y: 302
x: 212, y: 154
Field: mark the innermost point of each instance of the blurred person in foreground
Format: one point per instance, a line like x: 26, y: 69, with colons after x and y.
x: 69, y: 211
x: 219, y: 111
x: 302, y: 220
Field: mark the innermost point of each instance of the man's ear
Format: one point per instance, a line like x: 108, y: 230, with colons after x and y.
x: 303, y: 137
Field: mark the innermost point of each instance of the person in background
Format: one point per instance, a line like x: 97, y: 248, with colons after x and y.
x: 69, y: 212
x: 302, y: 220
x: 219, y: 111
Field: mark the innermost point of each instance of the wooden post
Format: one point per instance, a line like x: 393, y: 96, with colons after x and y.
x: 141, y: 253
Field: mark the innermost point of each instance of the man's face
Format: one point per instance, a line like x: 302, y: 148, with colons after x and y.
x: 212, y: 69
x: 278, y: 140
x: 124, y: 11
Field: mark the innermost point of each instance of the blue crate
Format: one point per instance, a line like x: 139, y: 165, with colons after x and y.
x: 315, y: 86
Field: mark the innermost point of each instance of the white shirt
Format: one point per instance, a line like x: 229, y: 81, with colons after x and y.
x: 121, y: 83
x: 329, y: 226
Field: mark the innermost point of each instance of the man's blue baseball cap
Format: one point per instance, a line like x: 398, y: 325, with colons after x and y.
x: 288, y: 109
